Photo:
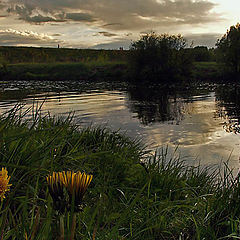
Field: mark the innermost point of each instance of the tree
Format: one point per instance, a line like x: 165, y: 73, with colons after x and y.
x: 159, y: 57
x: 201, y: 54
x: 228, y: 49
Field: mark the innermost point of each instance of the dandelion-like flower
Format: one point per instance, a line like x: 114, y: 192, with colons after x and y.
x: 4, y: 183
x: 76, y: 185
x: 55, y: 186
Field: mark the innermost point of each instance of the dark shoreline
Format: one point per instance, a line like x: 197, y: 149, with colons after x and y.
x: 109, y: 71
x: 63, y: 71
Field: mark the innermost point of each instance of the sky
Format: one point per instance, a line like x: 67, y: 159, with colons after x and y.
x: 111, y: 24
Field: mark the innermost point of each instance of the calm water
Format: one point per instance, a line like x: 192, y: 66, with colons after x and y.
x: 201, y: 121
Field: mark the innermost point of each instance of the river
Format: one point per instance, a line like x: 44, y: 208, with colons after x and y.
x: 201, y: 122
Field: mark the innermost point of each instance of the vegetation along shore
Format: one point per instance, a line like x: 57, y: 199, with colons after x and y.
x: 59, y: 180
x: 129, y: 193
x: 99, y: 65
x: 155, y: 58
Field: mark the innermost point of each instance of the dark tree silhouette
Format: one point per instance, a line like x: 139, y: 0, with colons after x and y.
x: 159, y: 57
x: 228, y: 49
x: 202, y: 54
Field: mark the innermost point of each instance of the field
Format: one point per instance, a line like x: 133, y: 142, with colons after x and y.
x: 133, y: 194
x: 52, y: 55
x: 64, y: 71
x: 20, y: 63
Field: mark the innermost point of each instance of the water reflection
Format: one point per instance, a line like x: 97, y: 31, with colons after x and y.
x: 156, y: 104
x: 191, y: 118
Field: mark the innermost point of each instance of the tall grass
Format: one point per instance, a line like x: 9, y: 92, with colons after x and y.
x: 133, y: 195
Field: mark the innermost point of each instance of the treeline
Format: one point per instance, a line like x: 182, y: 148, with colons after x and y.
x: 13, y: 55
x: 165, y: 58
x: 153, y: 58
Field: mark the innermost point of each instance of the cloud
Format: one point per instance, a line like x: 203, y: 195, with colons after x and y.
x: 206, y: 39
x: 117, y: 15
x: 56, y: 35
x: 36, y: 14
x: 2, y: 6
x: 81, y: 17
x: 113, y: 44
x: 106, y: 34
x: 14, y: 37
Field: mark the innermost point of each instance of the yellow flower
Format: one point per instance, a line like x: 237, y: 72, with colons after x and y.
x: 77, y: 184
x: 55, y: 185
x: 4, y: 183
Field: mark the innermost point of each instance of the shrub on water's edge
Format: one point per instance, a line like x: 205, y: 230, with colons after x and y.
x: 160, y: 58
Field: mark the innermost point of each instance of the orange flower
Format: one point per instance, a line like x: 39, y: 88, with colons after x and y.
x: 4, y: 183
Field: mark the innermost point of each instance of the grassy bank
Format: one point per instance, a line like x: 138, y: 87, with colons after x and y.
x: 207, y: 71
x: 93, y: 70
x: 13, y: 55
x: 133, y: 195
x: 27, y: 63
x: 64, y: 71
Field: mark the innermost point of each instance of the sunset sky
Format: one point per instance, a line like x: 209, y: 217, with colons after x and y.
x: 112, y: 23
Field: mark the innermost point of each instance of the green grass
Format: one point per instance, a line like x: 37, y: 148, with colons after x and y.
x: 100, y: 69
x: 94, y: 70
x: 13, y: 55
x: 133, y: 195
x: 207, y: 71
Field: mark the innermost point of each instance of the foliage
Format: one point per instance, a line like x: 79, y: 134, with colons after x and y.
x: 207, y: 71
x: 133, y: 195
x: 159, y: 57
x: 228, y: 49
x: 203, y: 54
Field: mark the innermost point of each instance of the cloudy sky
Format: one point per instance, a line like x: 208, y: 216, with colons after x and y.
x: 112, y: 23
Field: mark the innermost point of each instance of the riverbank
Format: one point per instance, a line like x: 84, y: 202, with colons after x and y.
x: 133, y: 195
x: 64, y: 71
x: 95, y: 70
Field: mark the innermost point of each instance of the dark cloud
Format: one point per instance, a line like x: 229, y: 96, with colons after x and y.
x: 81, y: 17
x: 107, y: 34
x: 118, y: 15
x: 37, y: 15
x: 41, y: 19
x: 56, y: 35
x: 111, y: 24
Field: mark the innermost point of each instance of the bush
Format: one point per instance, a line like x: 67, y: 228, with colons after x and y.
x: 228, y: 49
x: 160, y: 57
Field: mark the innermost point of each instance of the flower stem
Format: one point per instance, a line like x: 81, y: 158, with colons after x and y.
x: 73, y: 227
x: 61, y: 227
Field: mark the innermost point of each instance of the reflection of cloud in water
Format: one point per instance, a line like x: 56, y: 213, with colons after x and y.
x: 199, y: 135
x: 189, y: 122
